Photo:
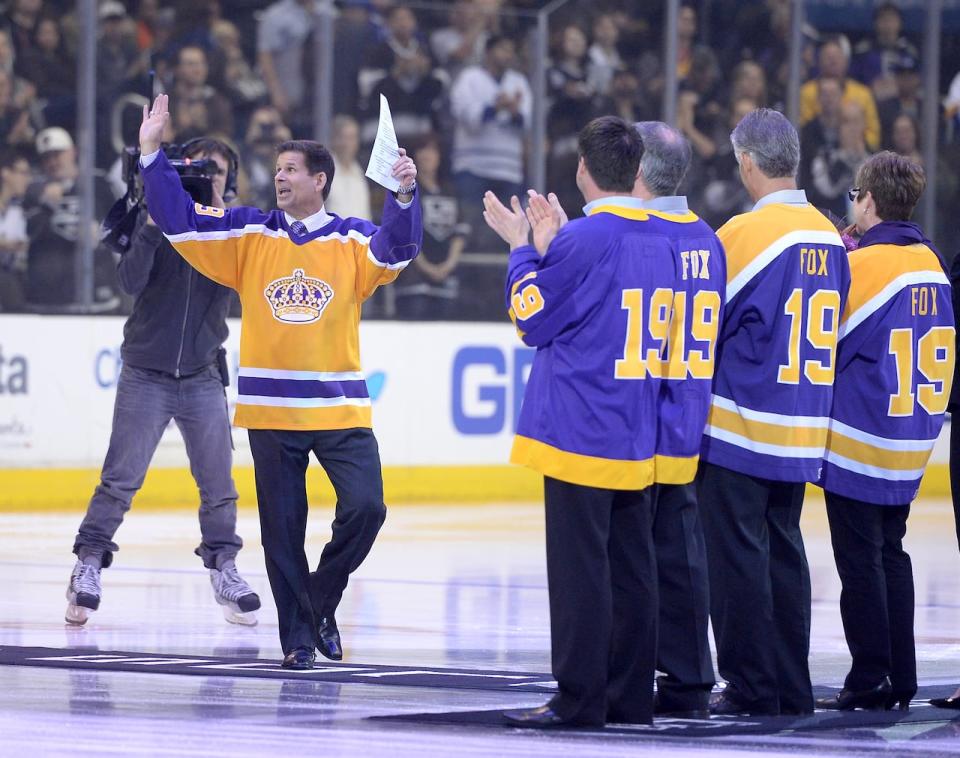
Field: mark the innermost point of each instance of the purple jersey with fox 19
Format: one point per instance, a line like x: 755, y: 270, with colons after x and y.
x: 598, y: 308
x: 686, y: 385
x: 895, y: 364
x: 787, y: 282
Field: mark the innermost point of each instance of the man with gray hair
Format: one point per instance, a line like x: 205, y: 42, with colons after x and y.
x: 787, y: 282
x: 683, y: 650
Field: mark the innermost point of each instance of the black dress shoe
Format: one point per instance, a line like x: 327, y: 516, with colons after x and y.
x: 299, y: 659
x: 672, y: 709
x: 328, y: 639
x: 543, y: 717
x: 730, y: 703
x: 952, y: 702
x: 872, y: 699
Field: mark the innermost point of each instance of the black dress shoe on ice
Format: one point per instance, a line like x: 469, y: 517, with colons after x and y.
x: 328, y: 639
x: 730, y: 703
x: 676, y: 710
x: 952, y: 702
x: 298, y: 659
x: 538, y: 718
x: 872, y: 699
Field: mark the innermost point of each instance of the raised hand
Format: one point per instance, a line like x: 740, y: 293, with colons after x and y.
x: 510, y: 223
x: 405, y: 171
x: 154, y: 121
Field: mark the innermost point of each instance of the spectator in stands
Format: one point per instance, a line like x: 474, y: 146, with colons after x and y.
x: 462, y: 42
x: 354, y: 34
x: 822, y: 135
x: 148, y: 13
x: 874, y: 58
x: 417, y: 97
x: 265, y: 131
x: 834, y: 62
x: 699, y: 107
x: 118, y: 58
x: 492, y: 108
x: 49, y: 64
x: 832, y: 172
x: 651, y: 63
x: 908, y: 97
x: 15, y: 126
x: 242, y: 85
x: 52, y: 206
x: 282, y: 35
x: 905, y: 137
x: 749, y: 81
x: 723, y: 194
x: 567, y: 77
x: 14, y: 177
x: 571, y: 108
x: 402, y: 39
x: 350, y: 194
x: 198, y: 107
x: 429, y: 288
x: 24, y: 15
x: 627, y: 99
x: 24, y: 91
x: 604, y: 54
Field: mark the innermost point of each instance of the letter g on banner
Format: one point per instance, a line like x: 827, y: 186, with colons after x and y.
x: 469, y: 365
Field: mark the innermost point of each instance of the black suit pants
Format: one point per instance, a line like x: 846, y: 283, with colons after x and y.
x: 351, y: 459
x: 683, y: 649
x: 602, y: 581
x: 877, y: 597
x: 759, y: 587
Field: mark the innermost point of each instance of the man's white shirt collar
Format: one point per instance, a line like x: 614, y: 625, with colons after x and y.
x: 313, y: 222
x: 787, y: 197
x: 619, y: 201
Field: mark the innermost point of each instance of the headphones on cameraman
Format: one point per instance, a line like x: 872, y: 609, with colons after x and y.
x: 233, y: 161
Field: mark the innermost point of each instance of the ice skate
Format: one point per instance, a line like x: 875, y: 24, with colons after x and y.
x: 83, y: 593
x: 234, y: 595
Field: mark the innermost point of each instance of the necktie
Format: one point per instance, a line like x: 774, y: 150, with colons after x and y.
x: 298, y: 228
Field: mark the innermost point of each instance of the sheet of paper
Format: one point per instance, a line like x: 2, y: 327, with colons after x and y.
x: 385, y: 152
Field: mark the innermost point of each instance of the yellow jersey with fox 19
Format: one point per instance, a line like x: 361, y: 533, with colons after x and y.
x: 301, y: 294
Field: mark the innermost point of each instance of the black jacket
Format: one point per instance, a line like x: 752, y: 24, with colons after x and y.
x: 179, y: 319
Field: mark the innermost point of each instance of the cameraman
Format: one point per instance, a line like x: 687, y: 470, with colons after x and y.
x: 174, y: 367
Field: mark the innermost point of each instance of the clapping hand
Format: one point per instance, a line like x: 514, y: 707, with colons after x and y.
x: 154, y: 121
x: 510, y: 223
x: 546, y: 216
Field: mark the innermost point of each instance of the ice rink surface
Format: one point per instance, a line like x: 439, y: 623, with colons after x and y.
x: 459, y: 586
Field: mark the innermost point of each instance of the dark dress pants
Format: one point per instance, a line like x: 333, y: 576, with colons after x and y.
x: 351, y: 459
x: 602, y: 582
x: 759, y: 587
x: 955, y: 470
x: 876, y: 599
x: 683, y: 650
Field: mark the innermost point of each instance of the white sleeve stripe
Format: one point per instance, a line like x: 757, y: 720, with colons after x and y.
x: 773, y: 251
x: 809, y: 422
x: 223, y: 234
x: 876, y: 472
x: 399, y: 266
x: 903, y: 446
x: 876, y: 302
x: 316, y: 376
x: 763, y: 448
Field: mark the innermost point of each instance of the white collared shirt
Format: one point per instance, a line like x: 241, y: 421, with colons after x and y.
x: 620, y: 201
x: 787, y: 197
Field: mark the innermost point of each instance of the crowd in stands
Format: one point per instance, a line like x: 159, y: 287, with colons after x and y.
x: 458, y: 80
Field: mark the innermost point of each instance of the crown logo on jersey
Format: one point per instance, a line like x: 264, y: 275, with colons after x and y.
x: 298, y: 299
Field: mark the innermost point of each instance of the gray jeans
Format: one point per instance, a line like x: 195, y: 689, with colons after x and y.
x: 146, y: 402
